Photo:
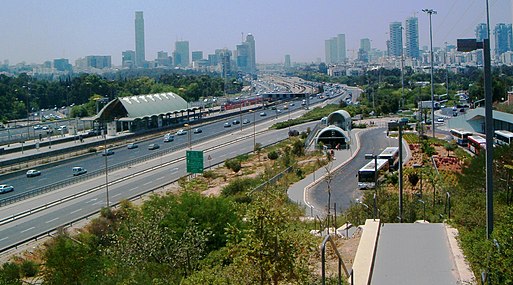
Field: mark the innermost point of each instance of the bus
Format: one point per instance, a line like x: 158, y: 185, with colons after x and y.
x: 503, y: 137
x: 461, y: 136
x: 392, y: 154
x: 366, y: 174
x: 476, y: 144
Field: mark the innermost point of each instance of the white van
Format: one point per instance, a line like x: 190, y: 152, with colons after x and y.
x: 77, y: 170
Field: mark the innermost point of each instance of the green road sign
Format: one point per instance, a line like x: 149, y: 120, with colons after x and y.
x: 194, y: 160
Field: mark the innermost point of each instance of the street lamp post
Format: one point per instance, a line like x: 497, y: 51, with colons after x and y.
x: 188, y: 127
x: 254, y: 129
x: 106, y: 167
x: 430, y: 12
x: 424, y: 207
x: 419, y: 166
x: 28, y: 111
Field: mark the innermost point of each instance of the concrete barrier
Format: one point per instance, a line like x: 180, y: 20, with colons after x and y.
x: 364, y: 259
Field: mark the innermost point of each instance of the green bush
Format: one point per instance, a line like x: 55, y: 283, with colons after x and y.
x: 28, y: 268
x: 233, y: 164
x: 209, y: 174
x: 238, y: 185
x: 92, y: 149
x: 273, y: 155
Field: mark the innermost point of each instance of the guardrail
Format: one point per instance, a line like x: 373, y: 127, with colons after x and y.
x: 48, y: 233
x: 340, y: 261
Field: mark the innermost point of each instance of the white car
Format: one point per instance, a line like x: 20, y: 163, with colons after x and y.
x: 33, y: 173
x: 6, y: 188
x: 181, y: 132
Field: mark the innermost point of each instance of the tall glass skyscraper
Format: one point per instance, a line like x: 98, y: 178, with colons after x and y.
x: 395, y: 47
x: 412, y: 37
x: 503, y: 38
x: 250, y: 41
x: 181, y: 54
x: 335, y: 49
x: 139, y: 39
x: 481, y: 32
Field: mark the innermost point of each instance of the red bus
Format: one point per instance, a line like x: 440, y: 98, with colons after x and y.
x: 476, y: 144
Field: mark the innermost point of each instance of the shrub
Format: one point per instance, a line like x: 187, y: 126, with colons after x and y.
x: 28, y: 268
x: 237, y: 186
x: 273, y: 155
x: 92, y: 149
x: 210, y: 174
x: 233, y: 164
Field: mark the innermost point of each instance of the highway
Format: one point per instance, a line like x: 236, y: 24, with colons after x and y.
x: 344, y: 185
x: 38, y: 215
x: 55, y: 173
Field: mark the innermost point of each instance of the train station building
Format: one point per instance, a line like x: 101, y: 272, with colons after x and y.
x: 335, y: 134
x: 143, y: 112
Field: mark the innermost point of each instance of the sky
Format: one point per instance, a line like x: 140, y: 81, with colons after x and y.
x: 34, y: 31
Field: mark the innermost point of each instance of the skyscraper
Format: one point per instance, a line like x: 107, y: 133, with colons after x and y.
x: 139, y: 39
x: 287, y: 61
x: 395, y: 47
x: 181, y: 54
x: 128, y: 58
x: 197, y: 55
x: 412, y: 37
x: 481, y: 32
x: 250, y: 41
x: 341, y: 48
x: 330, y: 49
x: 503, y: 38
x: 365, y: 45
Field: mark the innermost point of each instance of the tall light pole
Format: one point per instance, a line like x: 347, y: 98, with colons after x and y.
x: 254, y: 129
x: 430, y: 12
x: 28, y: 111
x: 188, y: 127
x: 467, y: 45
x: 105, y: 154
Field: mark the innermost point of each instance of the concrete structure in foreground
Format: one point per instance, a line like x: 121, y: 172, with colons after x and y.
x: 419, y: 253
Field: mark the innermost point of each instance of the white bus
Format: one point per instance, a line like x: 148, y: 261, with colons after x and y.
x: 392, y: 154
x: 503, y: 137
x: 476, y: 144
x: 461, y: 136
x: 366, y: 174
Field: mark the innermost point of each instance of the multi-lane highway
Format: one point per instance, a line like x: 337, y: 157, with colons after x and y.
x: 83, y: 198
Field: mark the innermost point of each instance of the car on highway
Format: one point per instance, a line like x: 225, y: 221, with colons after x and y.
x: 263, y: 114
x: 77, y: 170
x: 153, y: 146
x: 38, y: 127
x: 132, y: 145
x: 246, y: 121
x: 107, y: 152
x: 181, y: 132
x: 197, y: 131
x: 169, y: 138
x: 4, y: 188
x: 236, y: 122
x: 33, y: 173
x: 440, y: 120
x: 227, y: 125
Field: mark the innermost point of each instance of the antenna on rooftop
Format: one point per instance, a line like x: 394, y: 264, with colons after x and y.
x: 242, y: 37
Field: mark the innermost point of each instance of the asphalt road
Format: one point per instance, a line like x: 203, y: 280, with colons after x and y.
x: 344, y: 184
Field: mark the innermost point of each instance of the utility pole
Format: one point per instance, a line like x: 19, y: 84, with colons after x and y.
x: 430, y: 12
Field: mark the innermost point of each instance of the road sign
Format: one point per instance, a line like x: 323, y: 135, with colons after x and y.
x: 194, y: 160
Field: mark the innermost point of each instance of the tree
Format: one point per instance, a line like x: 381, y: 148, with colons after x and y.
x: 450, y: 146
x: 233, y: 164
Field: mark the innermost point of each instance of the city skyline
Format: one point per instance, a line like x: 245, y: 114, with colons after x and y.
x: 39, y: 32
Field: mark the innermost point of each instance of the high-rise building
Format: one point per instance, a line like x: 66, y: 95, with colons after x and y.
x: 503, y: 38
x: 128, y: 59
x: 181, y: 54
x: 62, y: 64
x: 341, y: 48
x: 163, y: 59
x: 365, y: 45
x: 250, y: 41
x: 412, y: 37
x: 481, y: 32
x: 224, y: 61
x: 94, y: 61
x: 287, y: 61
x: 197, y: 55
x: 242, y: 58
x: 139, y: 40
x: 331, y: 51
x: 395, y: 47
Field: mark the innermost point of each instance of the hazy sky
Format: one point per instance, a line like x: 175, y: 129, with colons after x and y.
x: 35, y: 30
